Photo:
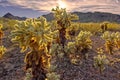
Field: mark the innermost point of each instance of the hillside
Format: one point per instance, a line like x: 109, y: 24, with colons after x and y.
x: 83, y: 17
x: 92, y: 17
x: 10, y: 16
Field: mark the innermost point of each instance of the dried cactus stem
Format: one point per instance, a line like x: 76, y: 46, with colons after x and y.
x: 35, y: 61
x: 62, y: 33
x: 111, y: 50
x: 38, y: 71
x: 1, y: 35
x: 104, y: 27
x: 100, y: 69
x: 84, y: 52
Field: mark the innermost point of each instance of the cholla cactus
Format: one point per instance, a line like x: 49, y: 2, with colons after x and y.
x: 57, y: 50
x: 30, y: 31
x: 53, y: 76
x: 71, y: 47
x: 83, y: 41
x: 104, y: 26
x: 1, y: 32
x: 63, y: 20
x: 2, y: 48
x: 100, y: 61
x: 111, y: 40
x: 28, y: 74
x: 72, y: 52
x: 2, y: 51
x: 80, y: 46
x: 72, y: 31
x: 117, y: 40
x: 36, y: 35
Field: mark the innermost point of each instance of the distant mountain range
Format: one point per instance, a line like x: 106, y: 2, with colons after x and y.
x: 10, y: 16
x: 83, y: 17
x: 91, y: 17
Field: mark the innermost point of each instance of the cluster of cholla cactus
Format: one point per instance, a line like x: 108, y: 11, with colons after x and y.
x: 43, y: 40
x: 83, y: 41
x: 62, y: 22
x: 37, y: 36
x: 112, y: 40
x: 79, y: 47
x: 2, y: 48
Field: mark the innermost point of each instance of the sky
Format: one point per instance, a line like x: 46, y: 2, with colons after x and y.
x: 36, y: 8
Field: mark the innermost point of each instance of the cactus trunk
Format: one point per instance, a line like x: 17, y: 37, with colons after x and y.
x: 62, y: 33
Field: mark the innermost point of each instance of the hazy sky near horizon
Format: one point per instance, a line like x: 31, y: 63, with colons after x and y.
x: 35, y: 8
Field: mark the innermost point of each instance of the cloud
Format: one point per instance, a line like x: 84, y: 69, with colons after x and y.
x: 5, y: 3
x: 111, y: 6
x: 44, y: 5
